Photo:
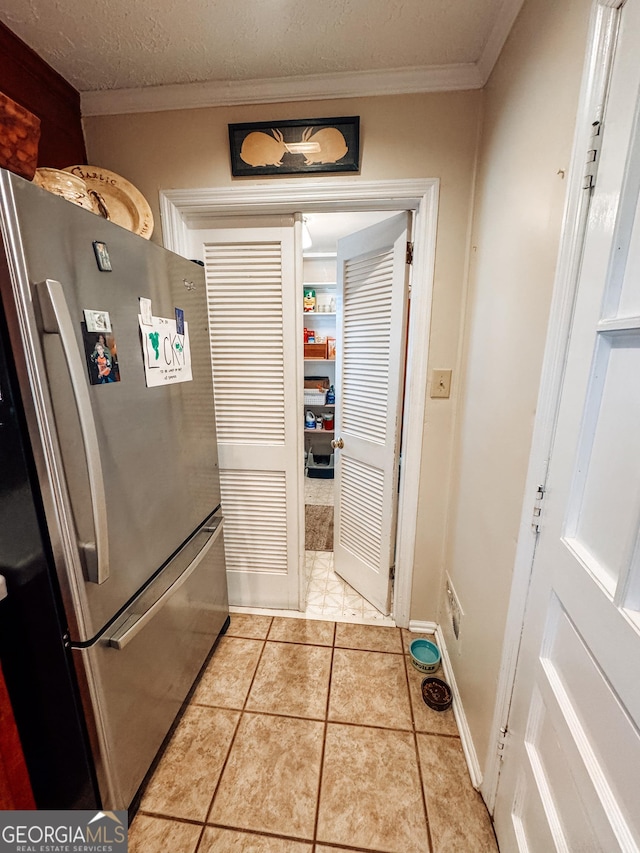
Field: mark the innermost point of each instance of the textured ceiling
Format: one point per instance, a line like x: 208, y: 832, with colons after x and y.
x: 116, y: 44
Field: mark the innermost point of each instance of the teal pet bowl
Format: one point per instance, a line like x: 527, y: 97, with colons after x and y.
x: 425, y: 655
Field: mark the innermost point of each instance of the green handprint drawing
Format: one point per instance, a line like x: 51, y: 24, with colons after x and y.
x: 154, y: 337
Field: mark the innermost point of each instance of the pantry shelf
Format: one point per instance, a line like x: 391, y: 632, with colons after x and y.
x: 320, y: 297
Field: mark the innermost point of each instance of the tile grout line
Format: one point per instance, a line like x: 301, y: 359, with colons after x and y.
x: 200, y: 837
x: 262, y: 833
x: 324, y: 741
x: 348, y: 849
x: 159, y: 815
x: 186, y: 821
x: 415, y: 746
x: 235, y: 732
x: 281, y: 716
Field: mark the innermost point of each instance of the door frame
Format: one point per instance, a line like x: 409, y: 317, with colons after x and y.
x: 601, y: 39
x: 186, y: 209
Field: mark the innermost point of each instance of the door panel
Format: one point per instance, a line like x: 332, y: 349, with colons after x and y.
x: 372, y: 294
x: 250, y: 274
x: 572, y: 756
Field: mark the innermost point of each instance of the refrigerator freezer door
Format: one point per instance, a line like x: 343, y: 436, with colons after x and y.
x: 153, y: 467
x: 140, y: 671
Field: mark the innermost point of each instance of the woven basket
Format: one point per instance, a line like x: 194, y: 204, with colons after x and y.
x: 313, y: 397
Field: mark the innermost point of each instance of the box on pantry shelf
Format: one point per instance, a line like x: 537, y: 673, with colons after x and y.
x: 315, y: 350
x: 319, y: 383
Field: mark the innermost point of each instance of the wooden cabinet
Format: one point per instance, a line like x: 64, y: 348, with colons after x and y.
x: 35, y: 85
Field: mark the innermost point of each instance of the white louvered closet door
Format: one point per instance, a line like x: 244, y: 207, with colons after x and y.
x: 250, y: 275
x: 372, y: 308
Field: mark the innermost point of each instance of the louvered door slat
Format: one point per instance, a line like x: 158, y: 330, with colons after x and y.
x: 367, y: 298
x: 371, y: 280
x: 251, y: 292
x: 255, y: 530
x: 237, y: 298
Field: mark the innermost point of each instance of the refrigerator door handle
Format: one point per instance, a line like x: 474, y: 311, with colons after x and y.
x: 137, y: 621
x: 57, y: 320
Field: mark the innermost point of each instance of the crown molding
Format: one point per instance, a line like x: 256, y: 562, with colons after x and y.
x: 317, y: 87
x: 505, y: 19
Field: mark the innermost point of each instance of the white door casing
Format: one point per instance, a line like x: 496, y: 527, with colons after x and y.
x: 371, y: 322
x: 186, y: 210
x: 571, y: 771
x: 253, y: 317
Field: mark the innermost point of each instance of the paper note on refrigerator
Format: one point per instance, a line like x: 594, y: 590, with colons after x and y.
x: 166, y: 354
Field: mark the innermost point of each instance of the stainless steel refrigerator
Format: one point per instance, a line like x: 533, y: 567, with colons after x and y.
x: 110, y: 354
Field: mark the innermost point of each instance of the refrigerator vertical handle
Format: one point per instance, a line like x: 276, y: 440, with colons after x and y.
x: 57, y: 320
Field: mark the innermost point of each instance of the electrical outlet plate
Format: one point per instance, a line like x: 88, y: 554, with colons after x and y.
x: 455, y: 610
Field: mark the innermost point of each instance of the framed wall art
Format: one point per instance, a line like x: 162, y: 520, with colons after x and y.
x: 295, y: 147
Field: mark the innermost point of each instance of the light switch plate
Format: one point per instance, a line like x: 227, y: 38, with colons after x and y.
x: 440, y: 383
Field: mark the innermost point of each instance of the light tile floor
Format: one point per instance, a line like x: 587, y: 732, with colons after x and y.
x: 318, y: 492
x: 311, y: 737
x: 328, y: 596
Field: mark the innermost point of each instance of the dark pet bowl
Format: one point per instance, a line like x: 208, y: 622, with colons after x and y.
x: 436, y: 693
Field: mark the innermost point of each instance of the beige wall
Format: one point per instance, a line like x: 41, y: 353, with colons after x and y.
x: 528, y: 123
x: 528, y: 113
x: 410, y: 136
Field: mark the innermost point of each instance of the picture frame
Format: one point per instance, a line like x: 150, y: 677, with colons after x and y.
x: 102, y: 256
x: 302, y: 146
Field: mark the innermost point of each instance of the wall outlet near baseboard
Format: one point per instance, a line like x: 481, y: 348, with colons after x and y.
x: 454, y: 610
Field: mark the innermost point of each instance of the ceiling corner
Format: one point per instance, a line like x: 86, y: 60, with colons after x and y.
x: 504, y: 21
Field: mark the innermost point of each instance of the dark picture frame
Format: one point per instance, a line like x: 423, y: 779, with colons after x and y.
x: 102, y: 256
x: 297, y: 147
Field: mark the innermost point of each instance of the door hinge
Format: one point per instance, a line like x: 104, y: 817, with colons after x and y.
x: 537, y: 509
x: 409, y: 253
x: 392, y: 573
x: 593, y: 156
x: 502, y: 739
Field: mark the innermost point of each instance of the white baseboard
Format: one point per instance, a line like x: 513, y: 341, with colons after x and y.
x: 423, y: 627
x: 463, y: 727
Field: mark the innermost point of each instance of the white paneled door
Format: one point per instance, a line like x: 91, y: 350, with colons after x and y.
x: 571, y: 773
x: 250, y: 275
x: 372, y: 308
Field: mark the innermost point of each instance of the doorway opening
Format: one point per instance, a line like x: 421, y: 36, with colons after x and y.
x: 326, y: 593
x: 187, y: 210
